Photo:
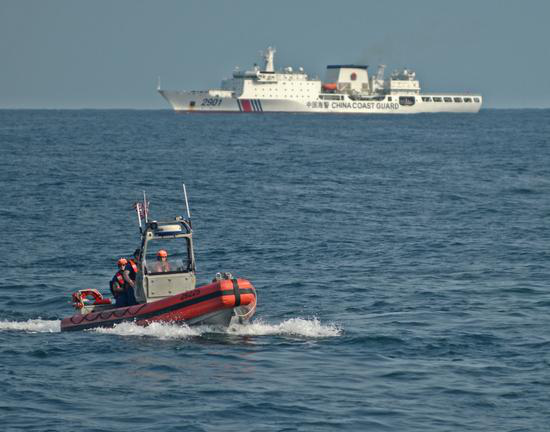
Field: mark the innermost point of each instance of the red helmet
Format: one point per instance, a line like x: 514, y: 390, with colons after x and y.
x: 162, y: 253
x: 122, y: 261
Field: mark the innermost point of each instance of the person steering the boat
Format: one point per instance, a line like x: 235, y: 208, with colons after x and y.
x: 162, y: 265
x: 122, y: 287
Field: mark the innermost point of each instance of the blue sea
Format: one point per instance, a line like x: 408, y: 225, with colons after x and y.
x: 402, y: 265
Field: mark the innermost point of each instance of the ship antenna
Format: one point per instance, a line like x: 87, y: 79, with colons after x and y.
x: 158, y: 84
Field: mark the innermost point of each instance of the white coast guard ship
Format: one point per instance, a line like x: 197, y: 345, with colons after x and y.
x: 347, y: 89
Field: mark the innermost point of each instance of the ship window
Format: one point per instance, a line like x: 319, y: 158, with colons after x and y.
x: 437, y: 99
x: 192, y: 103
x: 406, y: 100
x: 448, y: 99
x: 467, y: 99
x: 426, y: 99
x: 330, y: 97
x: 389, y: 98
x: 476, y: 100
x: 457, y: 99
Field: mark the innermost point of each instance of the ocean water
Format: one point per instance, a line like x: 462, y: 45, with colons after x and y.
x: 402, y: 265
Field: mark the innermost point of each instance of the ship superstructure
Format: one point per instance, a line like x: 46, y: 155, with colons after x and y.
x: 347, y: 89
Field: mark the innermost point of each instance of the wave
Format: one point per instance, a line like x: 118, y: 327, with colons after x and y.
x: 32, y: 326
x: 311, y: 328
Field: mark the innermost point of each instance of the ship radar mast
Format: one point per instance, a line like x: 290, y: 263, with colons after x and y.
x: 268, y: 58
x: 377, y: 83
x: 380, y: 74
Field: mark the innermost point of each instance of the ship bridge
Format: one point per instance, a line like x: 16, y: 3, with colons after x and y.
x: 404, y: 82
x: 269, y: 83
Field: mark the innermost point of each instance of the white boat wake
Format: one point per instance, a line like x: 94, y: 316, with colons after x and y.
x: 32, y: 326
x: 300, y: 327
x: 156, y: 330
x: 297, y: 327
x: 311, y: 328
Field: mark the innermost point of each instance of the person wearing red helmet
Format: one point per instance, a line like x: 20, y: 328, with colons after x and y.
x: 122, y: 287
x: 162, y: 265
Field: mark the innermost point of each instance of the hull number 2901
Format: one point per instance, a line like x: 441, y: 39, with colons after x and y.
x: 211, y: 102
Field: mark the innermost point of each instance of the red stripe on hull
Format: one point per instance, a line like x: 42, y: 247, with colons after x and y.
x: 247, y: 106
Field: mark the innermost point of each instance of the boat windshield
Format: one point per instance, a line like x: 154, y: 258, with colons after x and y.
x: 177, y: 257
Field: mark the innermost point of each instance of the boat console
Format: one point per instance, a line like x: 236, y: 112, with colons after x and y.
x: 176, y: 274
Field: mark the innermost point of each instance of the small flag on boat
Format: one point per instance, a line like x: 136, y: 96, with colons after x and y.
x: 140, y: 208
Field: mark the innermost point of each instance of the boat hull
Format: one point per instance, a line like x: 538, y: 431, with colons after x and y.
x: 217, y: 303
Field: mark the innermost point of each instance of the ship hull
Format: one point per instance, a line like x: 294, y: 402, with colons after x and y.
x: 205, y: 101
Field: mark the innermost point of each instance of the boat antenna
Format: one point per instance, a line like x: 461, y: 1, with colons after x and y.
x: 137, y: 206
x: 186, y: 204
x: 145, y: 209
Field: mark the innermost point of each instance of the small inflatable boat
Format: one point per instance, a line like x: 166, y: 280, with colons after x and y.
x: 165, y: 289
x: 215, y: 304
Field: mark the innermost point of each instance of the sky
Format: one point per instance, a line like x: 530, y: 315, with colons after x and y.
x: 111, y: 53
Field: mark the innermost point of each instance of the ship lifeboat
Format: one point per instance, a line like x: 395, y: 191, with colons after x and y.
x: 218, y: 303
x: 329, y: 86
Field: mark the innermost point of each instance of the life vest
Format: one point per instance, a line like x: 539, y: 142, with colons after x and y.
x: 133, y: 265
x: 132, y: 269
x: 120, y: 279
